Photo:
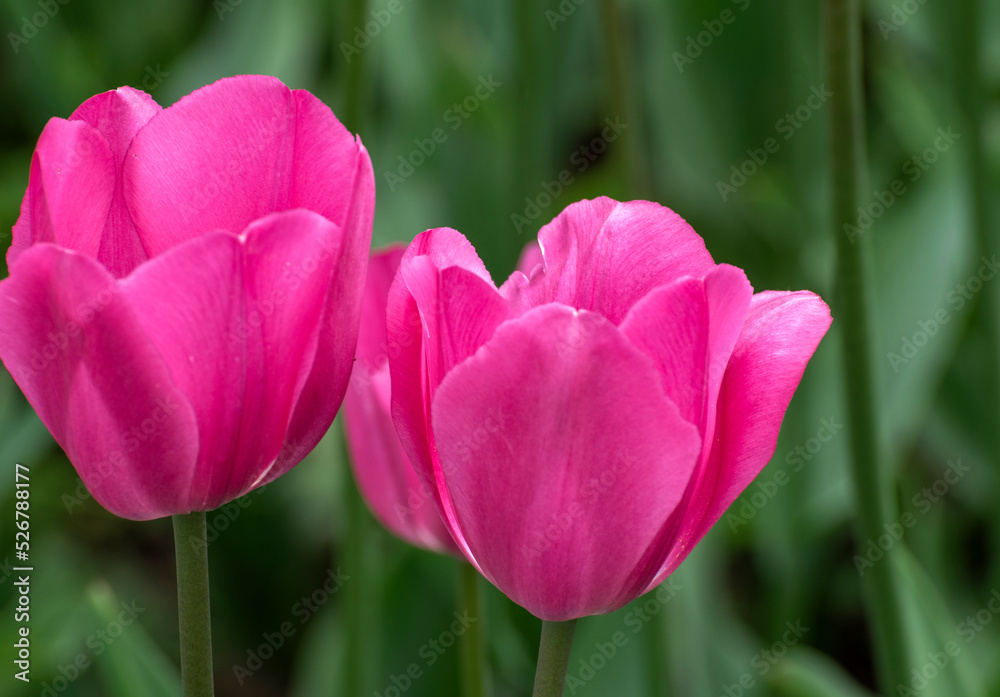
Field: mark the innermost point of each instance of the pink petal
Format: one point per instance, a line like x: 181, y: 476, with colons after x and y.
x: 118, y: 115
x: 605, y: 256
x: 442, y: 306
x: 236, y: 322
x: 531, y: 256
x: 689, y: 329
x: 324, y: 390
x: 236, y: 150
x: 70, y: 190
x: 780, y: 335
x: 563, y: 457
x: 383, y: 472
x: 75, y: 347
x: 372, y: 348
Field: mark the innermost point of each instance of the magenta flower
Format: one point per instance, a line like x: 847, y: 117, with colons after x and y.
x: 584, y: 425
x: 385, y: 477
x: 185, y: 288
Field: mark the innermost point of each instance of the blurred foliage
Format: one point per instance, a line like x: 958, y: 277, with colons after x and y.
x: 563, y: 68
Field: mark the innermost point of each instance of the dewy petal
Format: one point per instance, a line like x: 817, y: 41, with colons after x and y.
x: 604, y: 256
x: 780, y: 335
x: 236, y: 322
x: 75, y: 347
x: 442, y: 306
x: 70, y: 191
x: 234, y: 151
x: 563, y: 457
x: 118, y: 115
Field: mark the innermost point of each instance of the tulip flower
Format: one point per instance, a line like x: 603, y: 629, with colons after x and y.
x: 583, y: 426
x: 185, y: 289
x: 183, y: 302
x: 385, y: 477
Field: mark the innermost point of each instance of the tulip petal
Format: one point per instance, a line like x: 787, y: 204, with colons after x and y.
x: 74, y: 345
x: 372, y: 347
x: 604, y: 256
x: 234, y: 151
x: 563, y: 457
x: 442, y: 306
x: 689, y: 329
x: 780, y: 335
x: 339, y: 322
x: 70, y: 190
x: 234, y: 318
x: 384, y: 474
x: 118, y: 115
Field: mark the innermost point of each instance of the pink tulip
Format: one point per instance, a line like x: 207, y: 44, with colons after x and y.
x: 185, y: 288
x: 385, y: 477
x: 584, y: 425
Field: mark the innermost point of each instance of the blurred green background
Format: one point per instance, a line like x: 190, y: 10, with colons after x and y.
x: 697, y: 88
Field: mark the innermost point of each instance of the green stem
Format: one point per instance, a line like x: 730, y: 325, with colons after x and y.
x: 474, y: 669
x: 194, y: 617
x: 553, y: 658
x: 871, y: 479
x: 356, y: 657
x: 657, y: 665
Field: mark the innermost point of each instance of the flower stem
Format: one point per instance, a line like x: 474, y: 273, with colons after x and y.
x: 474, y: 670
x: 553, y: 658
x: 193, y: 605
x: 656, y: 657
x: 871, y: 478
